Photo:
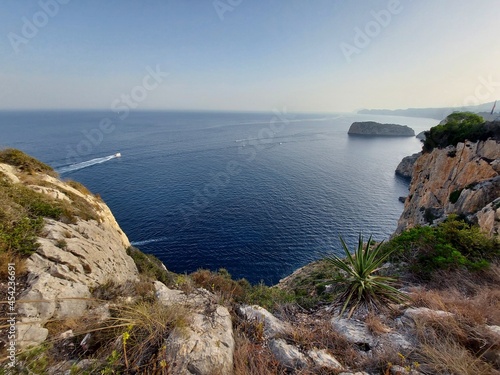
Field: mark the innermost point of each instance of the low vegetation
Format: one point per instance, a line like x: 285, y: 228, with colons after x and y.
x: 451, y: 245
x: 22, y: 209
x: 25, y: 162
x: 458, y: 127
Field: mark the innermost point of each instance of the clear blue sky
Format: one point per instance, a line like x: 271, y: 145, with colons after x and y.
x: 251, y: 55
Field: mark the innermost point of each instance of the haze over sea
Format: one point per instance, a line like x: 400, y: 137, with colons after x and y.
x: 259, y: 194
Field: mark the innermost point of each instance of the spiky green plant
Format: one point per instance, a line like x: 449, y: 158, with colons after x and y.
x: 357, y: 282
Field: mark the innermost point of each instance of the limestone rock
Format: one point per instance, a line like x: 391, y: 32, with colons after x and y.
x: 322, y: 359
x: 494, y: 330
x: 405, y: 167
x: 371, y: 128
x: 421, y: 136
x: 272, y: 325
x: 71, y: 259
x: 461, y: 180
x: 355, y: 332
x: 416, y: 313
x: 168, y: 296
x: 10, y: 172
x: 287, y: 354
x: 206, y: 345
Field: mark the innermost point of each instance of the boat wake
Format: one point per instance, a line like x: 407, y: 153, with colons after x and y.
x: 86, y: 164
x: 145, y: 242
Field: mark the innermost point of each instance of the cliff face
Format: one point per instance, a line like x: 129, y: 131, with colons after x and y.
x: 463, y: 180
x: 371, y: 128
x: 405, y: 167
x: 71, y: 259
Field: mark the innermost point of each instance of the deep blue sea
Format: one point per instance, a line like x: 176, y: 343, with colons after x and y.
x: 259, y: 194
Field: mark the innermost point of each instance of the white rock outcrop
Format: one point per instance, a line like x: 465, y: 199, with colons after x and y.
x: 71, y: 260
x: 206, y: 345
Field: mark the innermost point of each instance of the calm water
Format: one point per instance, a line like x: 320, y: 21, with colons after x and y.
x: 260, y: 194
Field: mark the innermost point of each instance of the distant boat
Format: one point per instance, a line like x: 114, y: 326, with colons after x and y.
x: 118, y: 155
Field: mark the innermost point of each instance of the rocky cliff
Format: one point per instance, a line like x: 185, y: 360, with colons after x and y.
x: 371, y: 128
x: 405, y: 167
x: 72, y: 257
x: 462, y: 179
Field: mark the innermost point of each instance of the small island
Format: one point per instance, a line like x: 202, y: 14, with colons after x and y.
x: 371, y: 128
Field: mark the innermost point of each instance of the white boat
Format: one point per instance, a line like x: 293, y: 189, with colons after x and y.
x: 118, y: 155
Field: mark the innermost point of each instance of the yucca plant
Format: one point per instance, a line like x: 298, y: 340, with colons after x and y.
x: 357, y: 281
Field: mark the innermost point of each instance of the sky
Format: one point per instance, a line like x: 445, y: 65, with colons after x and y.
x: 248, y: 55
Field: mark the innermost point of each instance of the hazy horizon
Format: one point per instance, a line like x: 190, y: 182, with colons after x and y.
x: 236, y: 55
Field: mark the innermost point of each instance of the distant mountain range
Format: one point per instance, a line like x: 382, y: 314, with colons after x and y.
x: 435, y: 113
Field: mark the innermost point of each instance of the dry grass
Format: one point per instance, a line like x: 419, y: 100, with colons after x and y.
x: 253, y: 359
x: 133, y: 337
x: 452, y: 345
x: 78, y: 186
x: 473, y: 302
x: 375, y: 325
x: 219, y: 283
x: 9, y: 257
x: 445, y: 356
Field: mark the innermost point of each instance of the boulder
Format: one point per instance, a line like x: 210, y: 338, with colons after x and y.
x: 355, y: 332
x: 322, y: 359
x: 206, y: 345
x: 415, y: 313
x: 405, y: 167
x: 272, y: 325
x: 288, y: 355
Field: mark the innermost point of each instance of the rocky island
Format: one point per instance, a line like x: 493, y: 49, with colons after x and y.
x: 371, y: 128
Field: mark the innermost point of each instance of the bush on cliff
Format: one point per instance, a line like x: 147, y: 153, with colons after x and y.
x: 459, y: 126
x: 451, y: 245
x: 24, y: 162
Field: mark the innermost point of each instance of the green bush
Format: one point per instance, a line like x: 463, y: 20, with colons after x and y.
x: 150, y: 266
x: 268, y: 297
x: 450, y: 245
x: 459, y: 126
x: 24, y: 162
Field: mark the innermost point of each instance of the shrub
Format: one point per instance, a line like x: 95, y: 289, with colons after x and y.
x: 150, y: 266
x: 78, y: 186
x: 219, y: 282
x: 450, y: 245
x: 267, y: 297
x: 358, y: 284
x: 24, y: 162
x: 459, y: 126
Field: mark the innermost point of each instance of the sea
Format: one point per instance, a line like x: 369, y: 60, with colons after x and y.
x: 259, y: 194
